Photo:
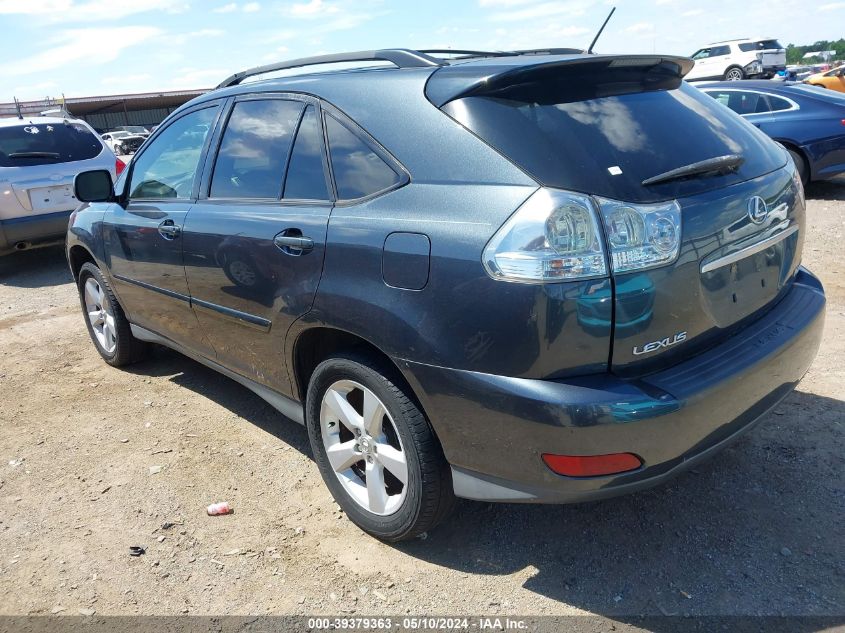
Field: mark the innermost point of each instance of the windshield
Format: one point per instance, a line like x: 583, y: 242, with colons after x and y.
x: 46, y: 143
x: 607, y: 145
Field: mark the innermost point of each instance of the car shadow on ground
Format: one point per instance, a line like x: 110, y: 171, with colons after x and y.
x: 195, y: 376
x: 753, y: 530
x: 37, y: 268
x: 826, y: 189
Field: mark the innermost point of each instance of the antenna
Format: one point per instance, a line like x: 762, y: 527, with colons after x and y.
x: 595, y: 39
x: 18, y: 108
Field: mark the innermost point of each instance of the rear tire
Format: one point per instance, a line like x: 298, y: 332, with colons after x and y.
x: 395, y: 443
x: 734, y: 73
x: 800, y: 165
x: 107, y: 324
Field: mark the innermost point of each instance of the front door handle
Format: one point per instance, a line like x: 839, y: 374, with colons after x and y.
x: 292, y: 242
x: 168, y: 230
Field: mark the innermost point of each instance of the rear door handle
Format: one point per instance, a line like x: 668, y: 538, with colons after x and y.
x: 168, y: 230
x: 292, y: 242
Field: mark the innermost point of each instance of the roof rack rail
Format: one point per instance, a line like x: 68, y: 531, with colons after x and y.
x: 467, y: 53
x: 551, y: 51
x: 401, y: 57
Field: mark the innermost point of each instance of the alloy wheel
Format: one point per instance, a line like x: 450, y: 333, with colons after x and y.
x: 100, y: 315
x: 363, y: 447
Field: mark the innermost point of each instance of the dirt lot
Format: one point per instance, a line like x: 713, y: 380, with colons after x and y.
x: 757, y: 530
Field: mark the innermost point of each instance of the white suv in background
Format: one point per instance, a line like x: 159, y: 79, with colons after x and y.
x: 39, y: 158
x: 760, y: 57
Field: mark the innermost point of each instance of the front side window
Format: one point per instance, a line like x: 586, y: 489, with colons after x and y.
x: 168, y: 167
x: 306, y: 176
x: 255, y: 148
x: 358, y: 170
x: 702, y: 54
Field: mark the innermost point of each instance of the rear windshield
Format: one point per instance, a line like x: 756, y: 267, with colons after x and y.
x: 605, y: 141
x: 46, y: 144
x: 762, y: 45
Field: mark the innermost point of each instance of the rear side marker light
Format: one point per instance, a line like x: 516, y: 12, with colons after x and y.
x: 119, y: 166
x: 592, y: 465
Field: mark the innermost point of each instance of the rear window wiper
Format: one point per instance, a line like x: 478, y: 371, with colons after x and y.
x: 719, y: 164
x: 34, y: 155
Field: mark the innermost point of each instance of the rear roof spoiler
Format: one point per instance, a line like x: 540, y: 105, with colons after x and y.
x: 463, y: 80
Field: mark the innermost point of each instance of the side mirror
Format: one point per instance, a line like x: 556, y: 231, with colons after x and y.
x: 94, y: 186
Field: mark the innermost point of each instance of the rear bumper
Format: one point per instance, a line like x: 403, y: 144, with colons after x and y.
x: 494, y: 428
x: 33, y: 230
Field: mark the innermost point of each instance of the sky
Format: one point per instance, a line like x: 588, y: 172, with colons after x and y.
x: 102, y: 47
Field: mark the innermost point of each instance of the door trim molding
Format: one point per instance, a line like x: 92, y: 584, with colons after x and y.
x: 244, y: 318
x: 169, y: 293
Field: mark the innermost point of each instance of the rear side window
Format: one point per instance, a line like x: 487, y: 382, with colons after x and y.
x: 718, y: 51
x: 168, y: 166
x: 584, y: 133
x: 255, y: 148
x: 358, y: 171
x: 46, y: 144
x: 778, y: 104
x: 306, y: 176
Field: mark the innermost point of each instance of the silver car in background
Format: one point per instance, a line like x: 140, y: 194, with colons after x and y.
x: 39, y: 158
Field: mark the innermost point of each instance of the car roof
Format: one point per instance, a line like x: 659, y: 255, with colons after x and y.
x: 750, y: 84
x: 453, y: 75
x: 37, y: 120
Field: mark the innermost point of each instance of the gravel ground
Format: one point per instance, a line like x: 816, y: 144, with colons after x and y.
x: 756, y: 530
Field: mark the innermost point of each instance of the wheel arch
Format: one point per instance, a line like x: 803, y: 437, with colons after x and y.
x: 77, y: 256
x: 316, y: 344
x: 795, y: 147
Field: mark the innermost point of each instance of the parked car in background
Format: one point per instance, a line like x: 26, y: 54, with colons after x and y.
x: 808, y: 121
x: 833, y: 79
x: 122, y: 142
x: 465, y: 277
x: 39, y: 158
x: 732, y: 60
x: 138, y: 130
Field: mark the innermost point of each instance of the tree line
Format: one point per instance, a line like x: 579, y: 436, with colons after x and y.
x: 795, y: 54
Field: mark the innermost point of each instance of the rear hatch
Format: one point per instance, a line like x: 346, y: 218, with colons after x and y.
x: 38, y: 161
x: 602, y: 127
x: 770, y: 52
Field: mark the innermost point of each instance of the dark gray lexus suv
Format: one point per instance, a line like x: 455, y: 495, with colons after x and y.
x: 538, y: 276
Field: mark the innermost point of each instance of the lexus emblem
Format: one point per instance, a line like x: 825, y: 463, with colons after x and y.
x: 757, y: 209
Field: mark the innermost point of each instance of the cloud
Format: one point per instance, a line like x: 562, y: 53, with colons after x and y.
x: 640, y: 27
x: 692, y: 13
x: 226, y: 8
x: 198, y: 77
x: 81, y: 45
x: 833, y: 6
x: 313, y: 9
x: 502, y: 3
x: 101, y: 10
x: 251, y: 7
x: 519, y: 12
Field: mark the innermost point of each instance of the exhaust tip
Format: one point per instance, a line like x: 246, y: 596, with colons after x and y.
x: 22, y: 246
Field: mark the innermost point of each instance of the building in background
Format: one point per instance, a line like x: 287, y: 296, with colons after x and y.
x: 108, y: 112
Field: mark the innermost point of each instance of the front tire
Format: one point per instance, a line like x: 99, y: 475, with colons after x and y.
x: 107, y: 324
x: 376, y: 451
x: 734, y: 73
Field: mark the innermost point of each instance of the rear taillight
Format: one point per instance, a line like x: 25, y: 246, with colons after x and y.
x: 553, y: 236
x: 119, y: 166
x: 592, y: 465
